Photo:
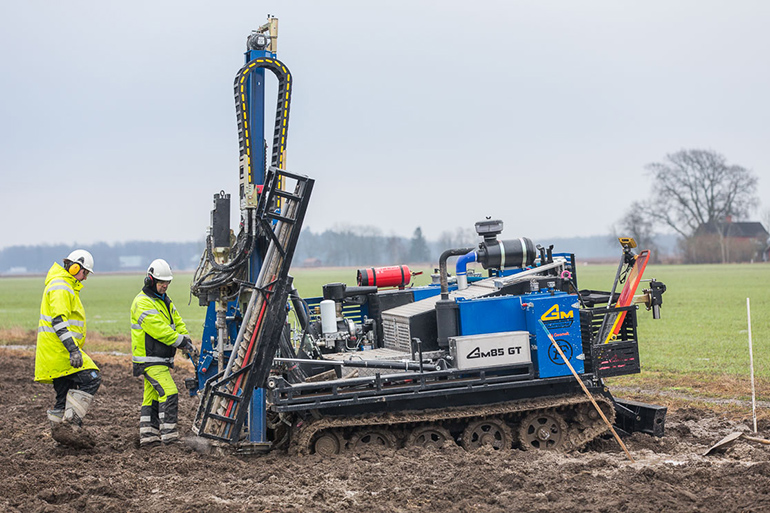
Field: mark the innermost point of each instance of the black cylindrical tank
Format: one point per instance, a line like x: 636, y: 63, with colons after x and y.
x: 506, y: 254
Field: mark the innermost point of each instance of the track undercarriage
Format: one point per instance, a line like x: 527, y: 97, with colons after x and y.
x: 553, y: 423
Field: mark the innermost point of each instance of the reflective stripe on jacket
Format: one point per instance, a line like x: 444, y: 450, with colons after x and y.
x: 157, y: 330
x: 62, y: 323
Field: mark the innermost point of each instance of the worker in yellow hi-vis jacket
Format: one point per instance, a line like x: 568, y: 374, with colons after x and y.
x: 157, y: 330
x: 59, y: 355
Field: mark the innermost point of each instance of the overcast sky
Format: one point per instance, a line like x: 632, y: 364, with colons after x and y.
x: 117, y: 119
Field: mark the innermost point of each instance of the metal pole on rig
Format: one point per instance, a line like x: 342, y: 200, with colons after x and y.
x: 751, y: 365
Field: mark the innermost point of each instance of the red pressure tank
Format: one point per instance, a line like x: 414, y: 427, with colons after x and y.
x: 393, y: 276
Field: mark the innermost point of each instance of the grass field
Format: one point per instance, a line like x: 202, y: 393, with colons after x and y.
x: 703, y: 328
x: 107, y: 299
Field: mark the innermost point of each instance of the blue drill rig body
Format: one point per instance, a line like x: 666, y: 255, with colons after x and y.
x: 469, y: 358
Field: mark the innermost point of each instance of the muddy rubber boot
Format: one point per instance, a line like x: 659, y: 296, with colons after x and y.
x: 55, y: 416
x: 70, y: 431
x: 77, y: 406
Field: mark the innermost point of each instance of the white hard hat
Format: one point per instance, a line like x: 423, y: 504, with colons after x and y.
x: 160, y: 270
x: 83, y: 258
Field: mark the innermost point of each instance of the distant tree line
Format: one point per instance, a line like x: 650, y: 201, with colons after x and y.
x: 363, y: 246
x: 124, y: 256
x: 346, y: 246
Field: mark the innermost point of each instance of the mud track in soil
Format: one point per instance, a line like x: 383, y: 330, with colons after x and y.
x: 670, y: 474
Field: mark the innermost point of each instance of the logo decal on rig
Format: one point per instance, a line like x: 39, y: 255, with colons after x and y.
x: 553, y: 355
x: 496, y: 351
x: 554, y: 314
x: 554, y: 318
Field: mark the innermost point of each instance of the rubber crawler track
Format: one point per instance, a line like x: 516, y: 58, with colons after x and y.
x: 584, y: 428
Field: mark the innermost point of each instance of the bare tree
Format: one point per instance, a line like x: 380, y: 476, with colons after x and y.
x: 639, y: 223
x: 695, y: 190
x: 461, y: 237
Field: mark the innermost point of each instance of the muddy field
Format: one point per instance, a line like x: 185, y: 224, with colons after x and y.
x: 670, y: 474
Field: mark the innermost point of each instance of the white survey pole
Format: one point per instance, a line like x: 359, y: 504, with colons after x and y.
x: 751, y: 365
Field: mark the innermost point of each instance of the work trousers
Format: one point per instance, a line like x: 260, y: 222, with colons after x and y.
x: 160, y: 407
x: 87, y: 381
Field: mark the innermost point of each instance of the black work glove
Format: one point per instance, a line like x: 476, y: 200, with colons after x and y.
x: 186, y: 346
x: 76, y: 359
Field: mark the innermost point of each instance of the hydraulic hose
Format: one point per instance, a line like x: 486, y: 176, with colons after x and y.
x: 461, y: 269
x: 300, y: 309
x: 442, y: 268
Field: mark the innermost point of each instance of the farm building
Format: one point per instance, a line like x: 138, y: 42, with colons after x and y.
x: 728, y: 242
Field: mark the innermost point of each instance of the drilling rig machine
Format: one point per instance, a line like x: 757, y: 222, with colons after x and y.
x: 467, y: 359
